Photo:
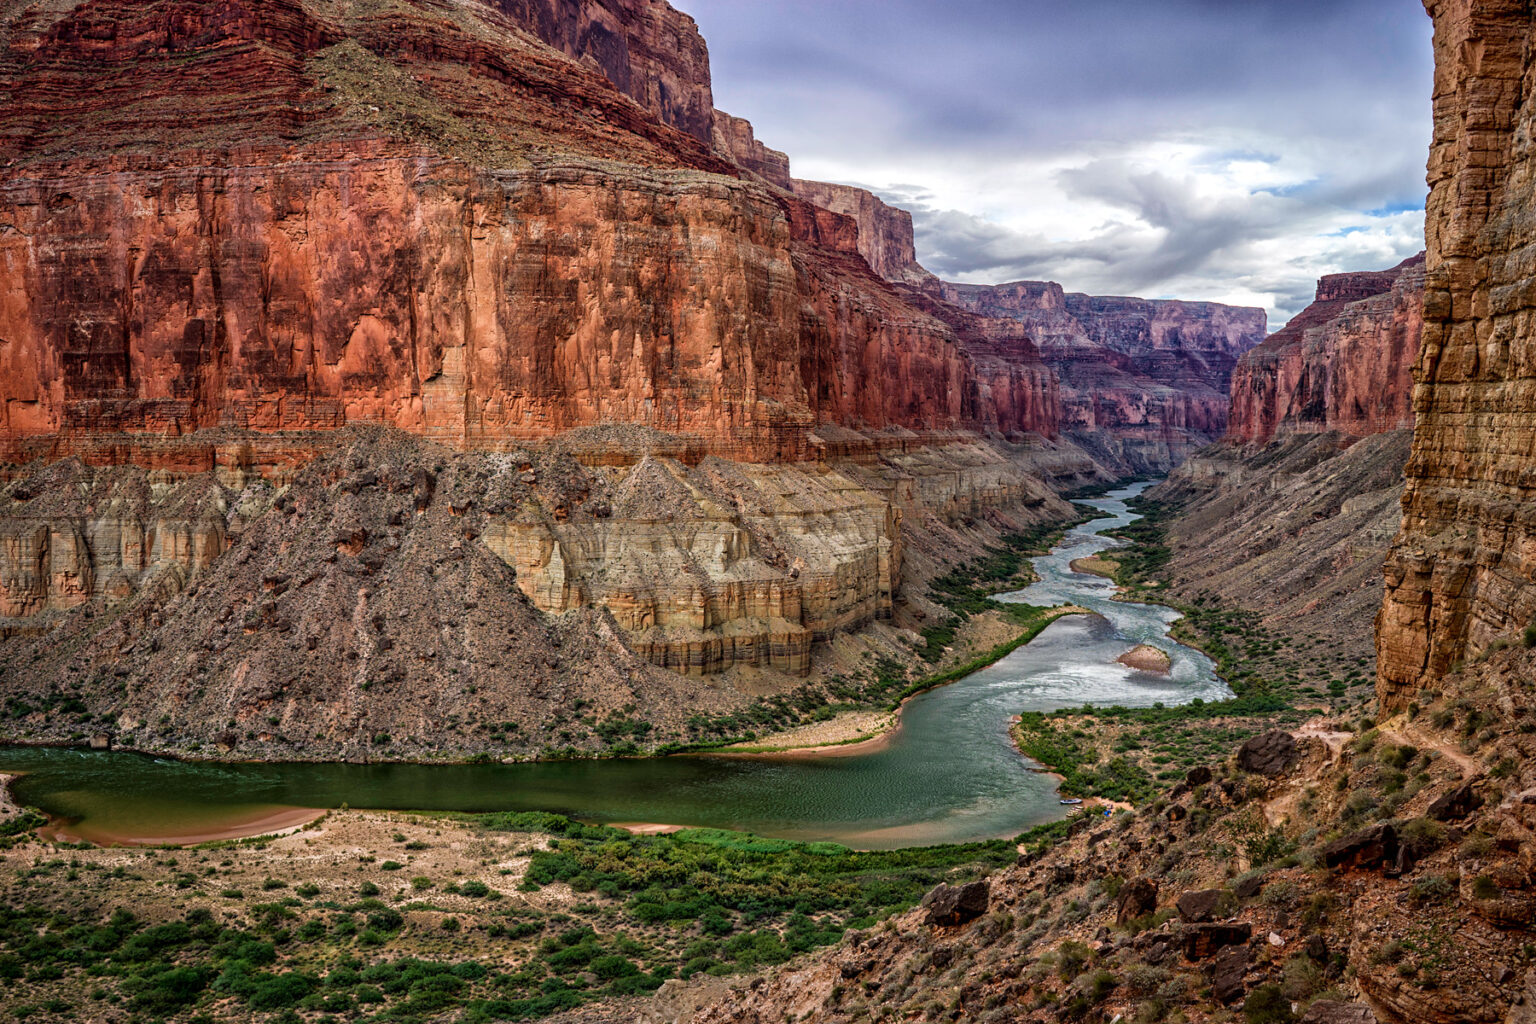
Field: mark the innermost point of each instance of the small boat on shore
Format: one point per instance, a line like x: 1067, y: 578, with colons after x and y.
x: 1070, y: 801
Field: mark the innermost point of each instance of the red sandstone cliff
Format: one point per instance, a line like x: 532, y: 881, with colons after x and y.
x: 424, y: 219
x: 886, y: 239
x: 1463, y: 572
x: 1343, y: 364
x: 1142, y: 382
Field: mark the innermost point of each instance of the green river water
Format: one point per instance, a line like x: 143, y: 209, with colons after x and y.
x: 950, y: 773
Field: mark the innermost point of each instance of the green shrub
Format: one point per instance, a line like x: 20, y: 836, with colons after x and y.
x: 1268, y: 1005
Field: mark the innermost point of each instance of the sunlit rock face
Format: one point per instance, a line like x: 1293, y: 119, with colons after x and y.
x: 1462, y: 573
x: 1344, y: 364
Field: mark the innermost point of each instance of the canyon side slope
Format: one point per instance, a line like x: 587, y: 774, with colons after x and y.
x: 1293, y: 513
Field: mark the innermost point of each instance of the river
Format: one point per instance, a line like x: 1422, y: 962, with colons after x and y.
x: 949, y: 774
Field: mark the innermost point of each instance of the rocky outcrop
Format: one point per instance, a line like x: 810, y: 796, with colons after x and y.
x: 1143, y: 383
x: 886, y: 239
x: 1463, y: 572
x: 1343, y: 364
x: 734, y: 139
x: 649, y: 50
x: 70, y: 534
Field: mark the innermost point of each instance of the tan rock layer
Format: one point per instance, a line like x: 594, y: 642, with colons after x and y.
x: 1463, y: 573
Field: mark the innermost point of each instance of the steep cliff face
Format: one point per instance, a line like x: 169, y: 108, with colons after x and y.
x: 229, y: 232
x: 734, y: 139
x: 652, y: 52
x: 1463, y: 572
x: 1143, y: 383
x: 403, y: 222
x: 1344, y: 364
x: 886, y: 239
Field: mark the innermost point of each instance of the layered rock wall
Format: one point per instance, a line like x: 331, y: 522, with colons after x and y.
x: 886, y: 239
x: 648, y: 49
x: 1344, y: 364
x: 1463, y: 572
x: 495, y: 280
x: 734, y: 139
x: 1142, y: 383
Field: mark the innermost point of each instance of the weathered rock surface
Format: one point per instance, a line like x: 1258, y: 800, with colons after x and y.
x: 734, y: 139
x: 1270, y: 754
x: 1344, y: 364
x: 886, y: 238
x: 1138, y: 897
x: 1463, y: 573
x: 950, y: 905
x: 1143, y: 383
x: 1368, y: 848
x: 1200, y: 905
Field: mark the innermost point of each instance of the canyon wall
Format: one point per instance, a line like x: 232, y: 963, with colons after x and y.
x: 463, y: 234
x: 1143, y: 383
x: 1343, y: 364
x: 649, y: 50
x: 1294, y: 512
x: 232, y: 235
x: 886, y: 239
x: 1463, y: 572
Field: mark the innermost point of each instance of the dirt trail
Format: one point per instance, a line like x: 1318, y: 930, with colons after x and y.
x: 1401, y: 732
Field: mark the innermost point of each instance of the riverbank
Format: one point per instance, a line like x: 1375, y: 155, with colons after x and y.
x: 862, y: 732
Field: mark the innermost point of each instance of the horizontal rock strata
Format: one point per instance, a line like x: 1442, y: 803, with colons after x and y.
x: 1343, y: 364
x: 1463, y: 572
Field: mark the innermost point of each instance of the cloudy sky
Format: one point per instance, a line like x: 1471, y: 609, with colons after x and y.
x: 1231, y: 150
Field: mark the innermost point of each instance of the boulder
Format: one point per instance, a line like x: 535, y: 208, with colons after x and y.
x: 1229, y: 971
x: 1248, y: 888
x: 1268, y: 755
x: 950, y: 905
x: 1198, y: 776
x: 1201, y: 940
x: 1372, y: 847
x: 1178, y: 812
x: 1138, y: 898
x: 1454, y: 804
x: 1200, y: 905
x: 1331, y: 1011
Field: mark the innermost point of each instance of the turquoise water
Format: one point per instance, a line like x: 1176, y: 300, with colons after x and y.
x: 949, y: 774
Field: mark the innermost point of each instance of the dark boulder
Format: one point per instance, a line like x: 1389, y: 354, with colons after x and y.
x: 1248, y: 888
x: 1455, y: 804
x: 1138, y: 898
x: 1372, y: 847
x: 1200, y: 905
x: 1201, y: 940
x: 950, y: 905
x: 1198, y: 776
x: 1269, y: 755
x: 1178, y: 812
x: 1229, y: 971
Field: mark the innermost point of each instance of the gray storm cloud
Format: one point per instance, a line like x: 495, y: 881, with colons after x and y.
x: 1191, y: 147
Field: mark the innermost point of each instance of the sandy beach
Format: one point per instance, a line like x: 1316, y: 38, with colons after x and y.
x: 268, y: 822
